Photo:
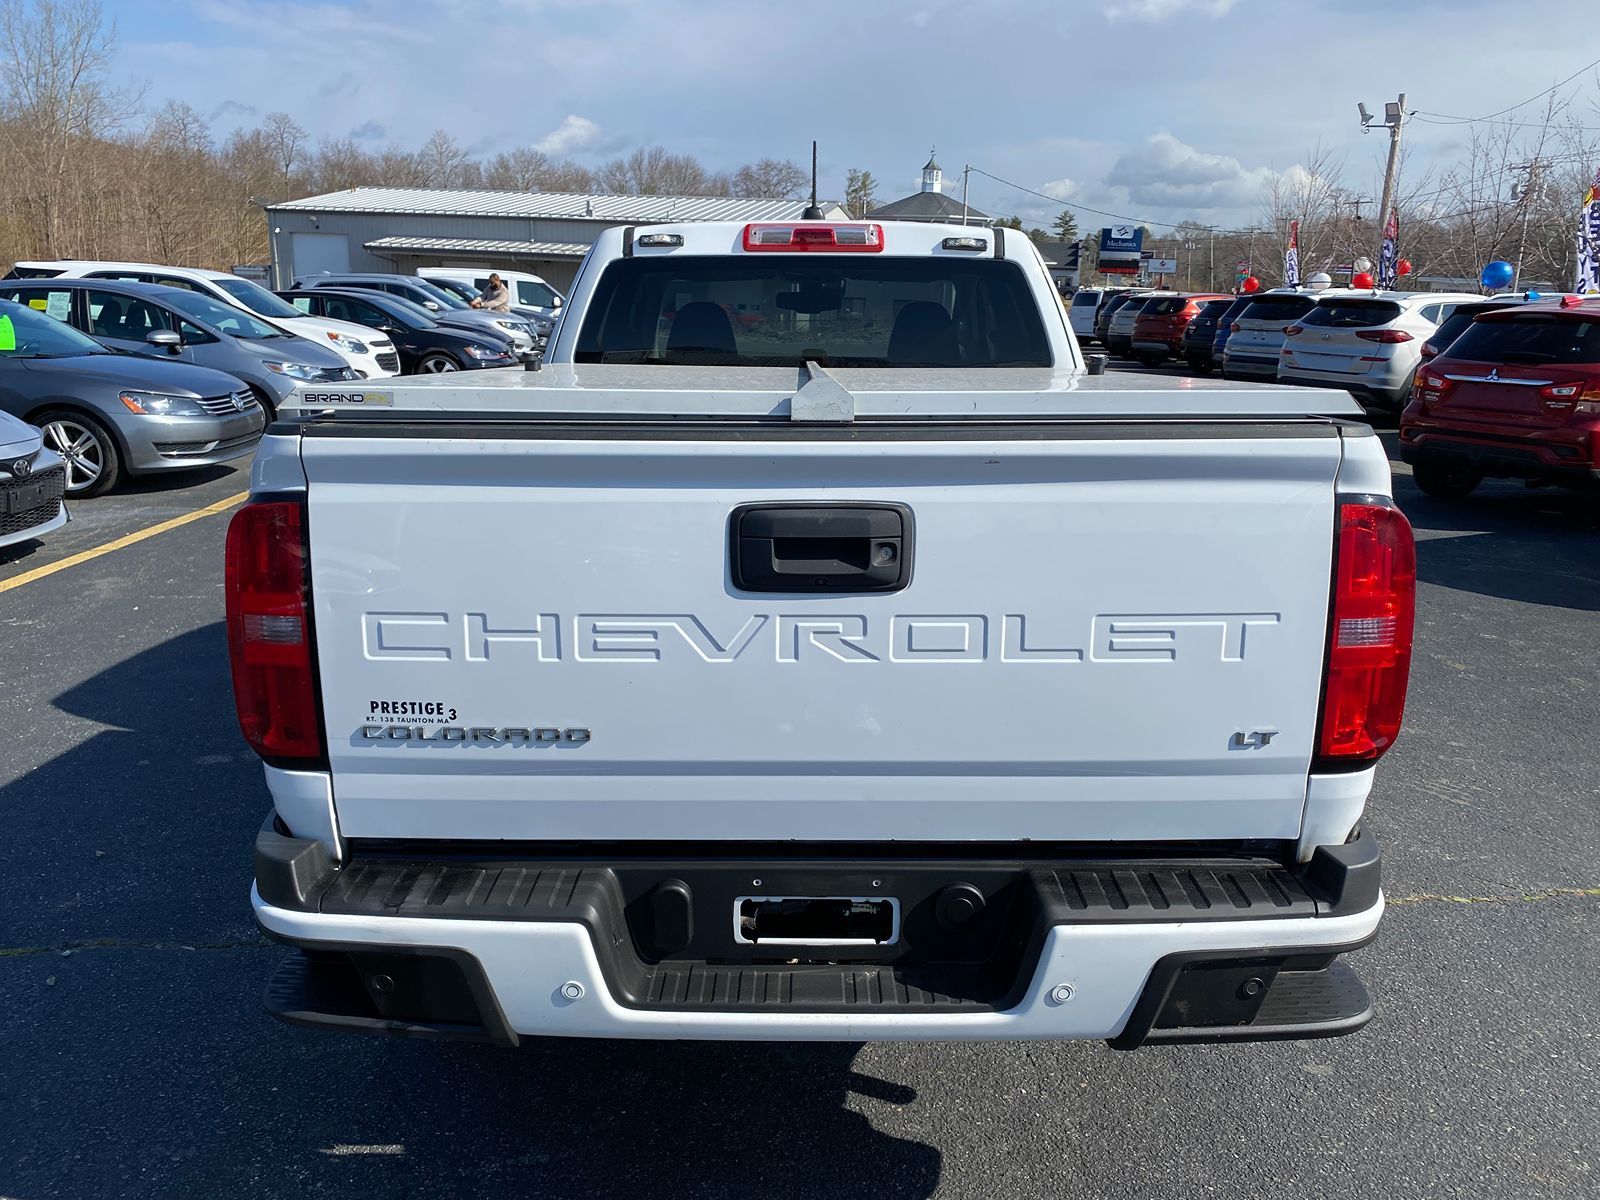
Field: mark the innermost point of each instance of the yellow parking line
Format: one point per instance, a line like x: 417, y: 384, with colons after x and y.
x: 84, y: 556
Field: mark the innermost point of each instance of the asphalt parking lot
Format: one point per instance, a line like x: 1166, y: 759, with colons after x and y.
x: 136, y: 1060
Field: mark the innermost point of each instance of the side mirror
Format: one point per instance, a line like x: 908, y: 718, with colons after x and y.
x: 431, y: 305
x: 164, y: 339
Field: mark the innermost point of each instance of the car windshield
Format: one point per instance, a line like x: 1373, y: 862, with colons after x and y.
x: 1213, y: 309
x: 457, y: 288
x: 1085, y: 299
x: 445, y: 299
x: 536, y: 295
x: 1351, y: 314
x: 412, y: 313
x: 839, y: 310
x: 1165, y: 307
x: 1275, y: 308
x: 1531, y: 338
x: 26, y: 333
x: 224, y: 317
x: 255, y: 297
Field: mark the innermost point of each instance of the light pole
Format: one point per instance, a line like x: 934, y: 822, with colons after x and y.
x: 1394, y: 116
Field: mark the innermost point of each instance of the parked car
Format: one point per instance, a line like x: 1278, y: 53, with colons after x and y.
x: 110, y: 414
x: 446, y: 308
x: 1515, y: 396
x: 1256, y: 336
x: 462, y: 290
x: 173, y: 324
x: 529, y: 293
x: 1368, y: 343
x: 426, y: 347
x: 1108, y: 309
x: 1081, y: 311
x: 1159, y: 328
x: 1200, y: 333
x: 1119, y: 334
x: 32, y: 481
x: 371, y: 358
x: 1219, y: 345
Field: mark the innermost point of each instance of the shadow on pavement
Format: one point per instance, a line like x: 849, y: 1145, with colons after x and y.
x: 1536, y: 546
x: 144, y: 1065
x: 157, y: 482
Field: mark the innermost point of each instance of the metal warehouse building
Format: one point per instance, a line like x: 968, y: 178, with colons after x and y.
x: 547, y: 233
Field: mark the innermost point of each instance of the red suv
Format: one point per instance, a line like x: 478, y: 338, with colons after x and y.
x: 1158, y: 329
x: 1515, y: 396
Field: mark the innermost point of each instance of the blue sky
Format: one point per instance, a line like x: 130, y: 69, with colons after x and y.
x: 1157, y: 109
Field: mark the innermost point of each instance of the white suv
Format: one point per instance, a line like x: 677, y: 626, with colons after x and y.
x: 1368, y: 343
x: 369, y: 352
x: 1081, y: 310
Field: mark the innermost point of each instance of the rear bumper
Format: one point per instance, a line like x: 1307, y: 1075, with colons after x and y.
x: 1505, y: 457
x: 1256, y: 366
x: 1373, y: 392
x: 1131, y: 951
x: 1154, y: 344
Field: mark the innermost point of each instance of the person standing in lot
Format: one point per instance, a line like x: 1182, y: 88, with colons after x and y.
x: 496, y: 297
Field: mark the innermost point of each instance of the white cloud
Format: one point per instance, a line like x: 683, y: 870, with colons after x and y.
x: 1059, y: 189
x: 1165, y: 172
x: 1160, y: 10
x: 573, y: 136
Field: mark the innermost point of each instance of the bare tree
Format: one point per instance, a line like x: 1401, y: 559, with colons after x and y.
x: 55, y: 103
x: 286, y: 139
x: 520, y: 170
x: 770, y: 178
x: 655, y: 171
x: 442, y: 160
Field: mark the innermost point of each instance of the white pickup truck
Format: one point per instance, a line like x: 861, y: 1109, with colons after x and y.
x: 816, y: 648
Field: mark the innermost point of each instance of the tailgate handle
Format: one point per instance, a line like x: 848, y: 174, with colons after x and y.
x: 821, y: 547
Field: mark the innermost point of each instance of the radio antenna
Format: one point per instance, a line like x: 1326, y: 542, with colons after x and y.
x: 813, y: 212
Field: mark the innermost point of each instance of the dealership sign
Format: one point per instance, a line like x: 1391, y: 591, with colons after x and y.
x: 1119, y: 249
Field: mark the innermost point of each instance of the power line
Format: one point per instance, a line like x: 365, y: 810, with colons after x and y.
x: 1099, y: 212
x: 1433, y: 118
x: 1538, y: 95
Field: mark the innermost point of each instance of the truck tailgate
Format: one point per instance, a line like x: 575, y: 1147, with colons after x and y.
x: 1110, y: 632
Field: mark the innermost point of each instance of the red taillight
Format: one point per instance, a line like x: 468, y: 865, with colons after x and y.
x: 1293, y: 330
x: 269, y: 632
x: 1580, y: 389
x: 1429, y: 350
x: 1387, y: 336
x: 1434, y: 381
x: 790, y: 237
x: 1369, y: 642
x: 1233, y: 327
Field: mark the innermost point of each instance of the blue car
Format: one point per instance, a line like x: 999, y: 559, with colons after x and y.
x: 1225, y: 327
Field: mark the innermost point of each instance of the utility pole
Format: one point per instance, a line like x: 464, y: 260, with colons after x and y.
x: 1394, y: 116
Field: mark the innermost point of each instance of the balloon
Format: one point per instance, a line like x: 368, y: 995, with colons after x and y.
x: 1251, y: 284
x: 1363, y: 264
x: 1361, y: 279
x: 1319, y: 281
x: 1403, y: 267
x: 1498, y: 274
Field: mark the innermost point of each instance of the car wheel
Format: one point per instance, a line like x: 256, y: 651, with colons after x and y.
x: 435, y: 364
x: 1199, y: 366
x: 1152, y: 360
x: 93, y: 464
x: 1445, y: 483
